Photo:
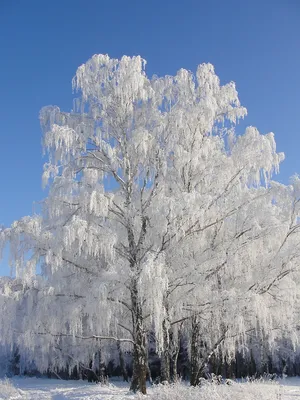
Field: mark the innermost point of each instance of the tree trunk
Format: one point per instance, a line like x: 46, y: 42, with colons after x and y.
x: 174, y: 358
x: 175, y: 339
x: 165, y: 355
x: 139, y: 374
x: 101, y: 368
x: 122, y: 362
x: 195, y: 353
x: 200, y: 355
x: 149, y: 375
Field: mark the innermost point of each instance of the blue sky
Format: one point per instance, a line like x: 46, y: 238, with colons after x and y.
x: 254, y: 43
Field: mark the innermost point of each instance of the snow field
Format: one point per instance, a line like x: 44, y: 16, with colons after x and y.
x: 46, y: 389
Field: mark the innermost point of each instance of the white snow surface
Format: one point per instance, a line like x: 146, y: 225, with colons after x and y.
x: 52, y: 389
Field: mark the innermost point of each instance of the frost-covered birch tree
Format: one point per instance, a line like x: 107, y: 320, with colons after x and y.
x: 147, y: 181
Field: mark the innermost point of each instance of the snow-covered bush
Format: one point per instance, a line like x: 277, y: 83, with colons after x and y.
x: 8, y: 391
x: 209, y: 391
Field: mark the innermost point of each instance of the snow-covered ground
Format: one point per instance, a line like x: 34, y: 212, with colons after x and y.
x: 46, y: 389
x: 54, y: 389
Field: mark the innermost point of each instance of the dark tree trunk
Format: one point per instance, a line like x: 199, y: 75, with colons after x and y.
x: 196, y: 364
x: 149, y: 375
x: 102, y: 374
x: 122, y: 362
x: 200, y: 354
x: 139, y: 374
x: 165, y: 355
x: 174, y: 359
x: 97, y: 366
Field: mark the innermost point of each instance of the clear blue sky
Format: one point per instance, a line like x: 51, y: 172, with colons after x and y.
x: 255, y: 43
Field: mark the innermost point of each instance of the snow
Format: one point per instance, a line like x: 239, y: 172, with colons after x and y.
x: 53, y: 389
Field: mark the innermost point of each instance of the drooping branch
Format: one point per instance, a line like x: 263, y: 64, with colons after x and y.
x: 91, y: 337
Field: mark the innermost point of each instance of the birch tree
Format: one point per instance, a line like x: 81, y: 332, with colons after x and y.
x: 140, y: 172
